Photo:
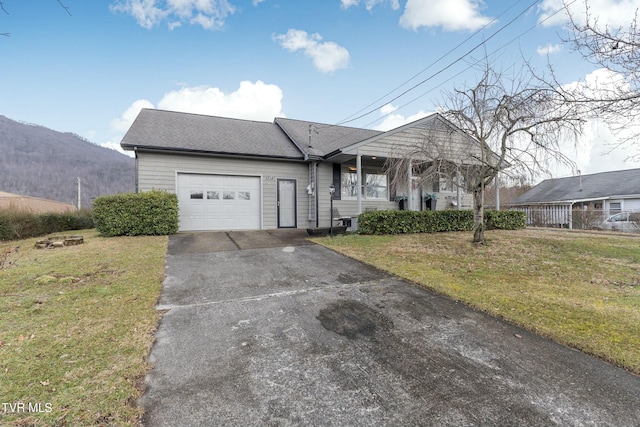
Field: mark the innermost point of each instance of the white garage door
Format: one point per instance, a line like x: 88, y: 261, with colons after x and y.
x: 218, y: 202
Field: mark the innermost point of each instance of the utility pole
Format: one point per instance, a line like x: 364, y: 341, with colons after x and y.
x: 79, y: 194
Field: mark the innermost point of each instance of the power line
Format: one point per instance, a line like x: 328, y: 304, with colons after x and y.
x: 455, y: 75
x: 440, y: 71
x: 433, y: 63
x: 474, y: 63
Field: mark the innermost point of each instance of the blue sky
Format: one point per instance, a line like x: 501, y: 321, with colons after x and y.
x: 90, y: 72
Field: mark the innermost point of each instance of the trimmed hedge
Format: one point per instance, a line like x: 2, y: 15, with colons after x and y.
x: 150, y: 213
x: 398, y: 222
x: 505, y: 220
x: 20, y: 224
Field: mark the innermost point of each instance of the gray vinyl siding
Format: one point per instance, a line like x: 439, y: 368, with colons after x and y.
x: 426, y: 141
x: 419, y: 143
x: 159, y: 171
x: 345, y: 207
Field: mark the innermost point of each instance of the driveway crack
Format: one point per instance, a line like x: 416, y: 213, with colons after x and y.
x: 233, y: 241
x: 165, y: 307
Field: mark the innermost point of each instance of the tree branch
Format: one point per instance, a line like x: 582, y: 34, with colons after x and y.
x: 64, y: 7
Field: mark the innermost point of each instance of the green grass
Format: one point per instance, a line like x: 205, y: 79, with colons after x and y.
x: 578, y: 289
x: 76, y: 326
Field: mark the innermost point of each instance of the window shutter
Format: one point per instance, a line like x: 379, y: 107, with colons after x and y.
x: 392, y: 184
x: 337, y: 180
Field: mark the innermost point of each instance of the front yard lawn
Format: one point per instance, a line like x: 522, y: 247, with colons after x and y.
x: 76, y: 326
x: 579, y: 289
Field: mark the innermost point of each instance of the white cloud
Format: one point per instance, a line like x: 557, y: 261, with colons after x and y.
x: 369, y: 4
x: 116, y: 146
x: 251, y: 101
x: 614, y: 13
x: 327, y: 56
x: 209, y: 14
x: 346, y: 4
x: 392, y: 121
x: 600, y: 149
x: 388, y: 109
x: 451, y: 15
x: 123, y: 123
x: 600, y: 84
x: 549, y: 49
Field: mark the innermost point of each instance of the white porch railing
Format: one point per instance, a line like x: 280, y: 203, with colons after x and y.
x: 548, y: 216
x: 563, y: 216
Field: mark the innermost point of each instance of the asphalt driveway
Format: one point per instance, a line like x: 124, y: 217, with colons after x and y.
x: 290, y: 333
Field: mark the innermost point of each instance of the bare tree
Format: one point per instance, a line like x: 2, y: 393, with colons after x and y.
x: 3, y: 9
x: 515, y: 124
x: 617, y: 99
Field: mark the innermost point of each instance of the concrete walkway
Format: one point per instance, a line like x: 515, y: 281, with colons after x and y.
x: 295, y: 334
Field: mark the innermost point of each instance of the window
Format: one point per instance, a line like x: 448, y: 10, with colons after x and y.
x: 615, y: 207
x: 229, y: 195
x: 213, y: 195
x: 196, y: 194
x: 244, y: 195
x: 375, y: 184
x: 349, y: 183
x: 449, y: 183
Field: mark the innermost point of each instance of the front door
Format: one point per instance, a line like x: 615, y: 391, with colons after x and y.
x: 287, y: 203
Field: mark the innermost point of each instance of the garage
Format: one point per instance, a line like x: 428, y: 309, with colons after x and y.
x: 218, y: 202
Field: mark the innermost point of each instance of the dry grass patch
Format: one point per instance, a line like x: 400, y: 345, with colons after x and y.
x: 579, y: 289
x: 76, y: 327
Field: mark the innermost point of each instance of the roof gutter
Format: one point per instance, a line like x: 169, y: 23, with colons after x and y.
x: 332, y: 154
x: 208, y: 153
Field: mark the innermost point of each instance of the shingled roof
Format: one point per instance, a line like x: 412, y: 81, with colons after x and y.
x: 284, y: 138
x: 185, y: 132
x: 325, y: 139
x: 588, y: 187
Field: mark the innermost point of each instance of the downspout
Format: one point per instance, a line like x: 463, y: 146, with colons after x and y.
x: 315, y: 174
x: 409, y: 186
x: 135, y: 186
x: 359, y: 179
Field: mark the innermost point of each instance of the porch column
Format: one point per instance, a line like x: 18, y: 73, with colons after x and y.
x: 409, y: 186
x: 458, y: 195
x: 359, y: 179
x: 497, y: 187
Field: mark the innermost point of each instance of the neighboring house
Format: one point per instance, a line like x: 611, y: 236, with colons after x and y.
x: 556, y: 202
x: 241, y: 174
x: 33, y: 204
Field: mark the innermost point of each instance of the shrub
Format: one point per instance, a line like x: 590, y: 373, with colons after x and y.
x: 505, y: 220
x: 397, y: 222
x: 129, y: 214
x: 19, y: 224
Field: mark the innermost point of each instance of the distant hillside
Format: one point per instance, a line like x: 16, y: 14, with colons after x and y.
x: 40, y: 162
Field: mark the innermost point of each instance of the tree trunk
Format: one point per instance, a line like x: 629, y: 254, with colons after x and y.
x: 478, y: 215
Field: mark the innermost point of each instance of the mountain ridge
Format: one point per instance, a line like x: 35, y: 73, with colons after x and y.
x: 41, y: 162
